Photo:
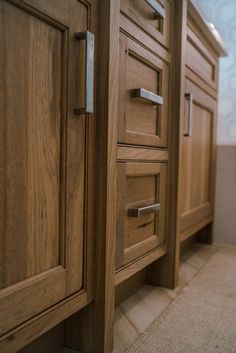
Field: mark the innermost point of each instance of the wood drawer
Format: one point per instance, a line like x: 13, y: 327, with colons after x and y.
x: 141, y: 121
x: 151, y: 20
x: 140, y: 185
x: 200, y: 60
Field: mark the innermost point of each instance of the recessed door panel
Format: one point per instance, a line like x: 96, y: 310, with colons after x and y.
x: 42, y: 156
x: 198, y: 157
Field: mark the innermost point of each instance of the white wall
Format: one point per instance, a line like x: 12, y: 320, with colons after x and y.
x: 222, y: 13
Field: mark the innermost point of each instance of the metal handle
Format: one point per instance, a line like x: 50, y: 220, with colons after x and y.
x: 159, y: 10
x: 138, y: 212
x: 189, y: 96
x: 144, y: 94
x: 89, y: 71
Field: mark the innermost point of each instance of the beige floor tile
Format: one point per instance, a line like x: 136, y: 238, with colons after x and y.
x: 68, y: 350
x: 156, y: 299
x: 119, y: 347
x: 186, y: 273
x: 138, y: 312
x: 199, y: 259
x: 125, y: 333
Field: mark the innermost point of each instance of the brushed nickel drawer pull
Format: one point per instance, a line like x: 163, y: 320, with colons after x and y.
x: 147, y: 95
x: 89, y: 71
x: 138, y: 212
x: 189, y: 96
x: 160, y: 11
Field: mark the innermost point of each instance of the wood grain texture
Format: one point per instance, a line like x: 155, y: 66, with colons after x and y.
x: 144, y: 38
x: 31, y: 144
x: 192, y: 76
x: 197, y: 159
x: 96, y: 321
x: 164, y: 272
x: 34, y: 328
x: 139, y: 185
x: 51, y: 342
x: 195, y: 228
x: 144, y: 16
x: 141, y: 154
x: 46, y: 161
x: 200, y: 59
x: 139, y: 264
x: 140, y: 122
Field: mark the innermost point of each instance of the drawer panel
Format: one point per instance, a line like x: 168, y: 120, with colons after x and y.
x: 153, y: 16
x: 200, y: 59
x: 141, y: 209
x: 142, y: 120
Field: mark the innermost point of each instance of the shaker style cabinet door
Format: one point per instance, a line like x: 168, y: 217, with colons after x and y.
x: 143, y: 96
x: 141, y: 210
x: 42, y: 155
x: 198, y: 165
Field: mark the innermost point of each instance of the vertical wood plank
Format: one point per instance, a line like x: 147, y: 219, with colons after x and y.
x: 164, y: 272
x: 96, y: 321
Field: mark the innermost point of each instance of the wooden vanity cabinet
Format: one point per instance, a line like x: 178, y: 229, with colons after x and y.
x: 115, y: 189
x: 45, y: 166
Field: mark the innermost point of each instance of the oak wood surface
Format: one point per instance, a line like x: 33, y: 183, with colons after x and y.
x: 96, y: 320
x: 164, y: 272
x: 140, y: 122
x: 46, y: 166
x: 139, y: 185
x: 51, y: 342
x: 197, y: 159
x: 195, y: 228
x: 142, y: 154
x: 143, y: 38
x: 200, y: 59
x: 40, y: 324
x: 144, y: 16
x: 192, y: 76
x: 139, y: 264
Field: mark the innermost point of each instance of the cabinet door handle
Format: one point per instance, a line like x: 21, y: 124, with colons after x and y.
x: 144, y: 94
x: 159, y: 10
x: 138, y: 212
x: 189, y: 97
x: 89, y: 71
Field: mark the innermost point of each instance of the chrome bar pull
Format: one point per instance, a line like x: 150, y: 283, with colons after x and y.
x: 89, y: 71
x: 159, y: 10
x: 189, y: 97
x: 147, y: 95
x: 140, y: 211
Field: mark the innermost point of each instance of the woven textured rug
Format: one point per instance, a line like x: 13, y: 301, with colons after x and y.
x: 202, y: 319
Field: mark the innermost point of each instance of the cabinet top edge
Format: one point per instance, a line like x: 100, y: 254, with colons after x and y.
x: 208, y: 29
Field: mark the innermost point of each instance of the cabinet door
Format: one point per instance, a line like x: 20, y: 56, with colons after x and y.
x: 143, y: 96
x: 42, y: 156
x: 141, y: 210
x: 198, y: 156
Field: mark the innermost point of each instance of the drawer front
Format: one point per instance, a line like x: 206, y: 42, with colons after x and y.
x: 141, y: 209
x: 153, y: 16
x: 143, y: 96
x: 200, y: 60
